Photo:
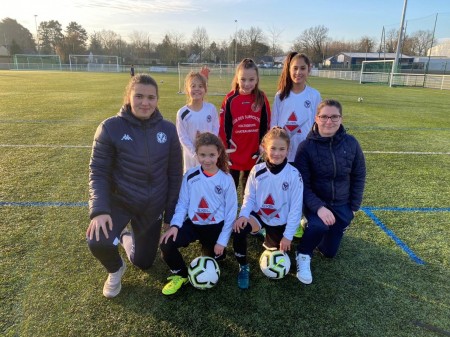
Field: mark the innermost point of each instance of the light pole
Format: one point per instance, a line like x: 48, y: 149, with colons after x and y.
x: 37, y: 34
x: 235, y: 43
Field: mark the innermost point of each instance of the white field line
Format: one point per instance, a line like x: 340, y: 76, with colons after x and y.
x: 407, y: 152
x: 46, y: 146
x: 89, y: 146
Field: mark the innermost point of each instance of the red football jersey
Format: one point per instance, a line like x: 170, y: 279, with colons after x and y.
x: 241, y: 128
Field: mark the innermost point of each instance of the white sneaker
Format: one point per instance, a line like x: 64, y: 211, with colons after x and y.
x: 304, y: 268
x: 113, y: 283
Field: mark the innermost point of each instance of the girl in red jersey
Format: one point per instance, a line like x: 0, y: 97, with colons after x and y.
x: 244, y: 120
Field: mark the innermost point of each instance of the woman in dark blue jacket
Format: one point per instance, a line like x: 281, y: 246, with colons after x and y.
x: 333, y: 169
x: 135, y: 176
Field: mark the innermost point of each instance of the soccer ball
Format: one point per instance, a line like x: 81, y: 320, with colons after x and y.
x: 360, y: 99
x: 203, y: 272
x: 274, y: 264
x: 162, y: 81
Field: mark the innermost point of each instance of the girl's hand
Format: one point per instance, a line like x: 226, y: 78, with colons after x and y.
x: 171, y: 232
x: 97, y: 223
x: 285, y: 244
x: 239, y: 224
x: 218, y: 249
x: 326, y: 216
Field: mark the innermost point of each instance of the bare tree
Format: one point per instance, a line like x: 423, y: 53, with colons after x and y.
x: 311, y: 42
x: 366, y: 44
x: 200, y: 40
x: 391, y: 40
x: 422, y: 40
x: 274, y: 38
x: 256, y: 39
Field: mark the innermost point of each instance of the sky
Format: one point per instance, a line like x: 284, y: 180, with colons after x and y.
x: 346, y: 19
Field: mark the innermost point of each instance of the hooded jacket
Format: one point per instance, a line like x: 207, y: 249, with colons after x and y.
x: 136, y: 162
x: 333, y: 170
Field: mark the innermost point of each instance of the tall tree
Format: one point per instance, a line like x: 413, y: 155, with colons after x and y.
x: 312, y: 42
x: 11, y: 30
x: 274, y: 38
x: 200, y: 40
x: 256, y: 42
x: 76, y: 38
x: 422, y: 40
x: 50, y: 36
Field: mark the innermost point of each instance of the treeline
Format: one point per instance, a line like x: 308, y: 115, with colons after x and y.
x: 175, y: 47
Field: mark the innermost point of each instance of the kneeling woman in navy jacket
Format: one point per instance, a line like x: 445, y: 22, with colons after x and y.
x: 135, y: 176
x: 333, y: 169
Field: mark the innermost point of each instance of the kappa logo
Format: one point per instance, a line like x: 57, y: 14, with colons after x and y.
x: 161, y: 137
x: 307, y: 104
x: 209, y: 118
x: 126, y: 137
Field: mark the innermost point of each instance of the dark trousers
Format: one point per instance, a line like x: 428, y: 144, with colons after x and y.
x: 189, y: 232
x: 146, y: 231
x: 272, y: 240
x: 236, y: 174
x: 326, y: 238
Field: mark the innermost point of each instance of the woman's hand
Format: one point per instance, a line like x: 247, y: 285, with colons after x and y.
x: 326, y: 216
x: 102, y: 222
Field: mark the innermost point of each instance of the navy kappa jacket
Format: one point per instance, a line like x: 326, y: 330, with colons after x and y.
x: 137, y: 162
x: 333, y: 170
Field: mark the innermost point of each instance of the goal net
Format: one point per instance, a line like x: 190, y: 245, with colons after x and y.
x: 376, y: 71
x: 219, y: 77
x: 97, y: 63
x: 37, y: 62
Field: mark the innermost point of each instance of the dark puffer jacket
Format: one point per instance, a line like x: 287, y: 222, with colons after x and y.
x: 137, y: 162
x: 333, y: 170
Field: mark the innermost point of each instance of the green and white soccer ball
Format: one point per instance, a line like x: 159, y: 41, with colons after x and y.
x: 360, y: 99
x: 275, y: 264
x: 203, y: 272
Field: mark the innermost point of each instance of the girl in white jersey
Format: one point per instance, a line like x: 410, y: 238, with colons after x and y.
x: 273, y: 200
x: 208, y: 198
x: 295, y: 104
x: 195, y: 117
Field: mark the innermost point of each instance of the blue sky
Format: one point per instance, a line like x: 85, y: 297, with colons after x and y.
x: 346, y: 19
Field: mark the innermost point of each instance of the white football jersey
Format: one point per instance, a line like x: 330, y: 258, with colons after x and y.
x: 276, y: 198
x: 207, y: 200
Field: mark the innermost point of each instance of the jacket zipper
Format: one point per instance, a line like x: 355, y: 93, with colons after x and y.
x: 334, y: 171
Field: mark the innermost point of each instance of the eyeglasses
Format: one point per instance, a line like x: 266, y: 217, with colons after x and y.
x: 334, y: 118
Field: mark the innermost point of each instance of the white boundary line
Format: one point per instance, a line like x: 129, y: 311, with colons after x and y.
x: 89, y: 146
x: 407, y: 152
x: 46, y: 146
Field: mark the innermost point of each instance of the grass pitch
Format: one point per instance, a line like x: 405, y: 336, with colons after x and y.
x: 51, y: 285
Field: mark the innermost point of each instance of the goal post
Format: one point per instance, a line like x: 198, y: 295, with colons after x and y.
x: 219, y: 76
x: 376, y: 71
x: 37, y: 62
x: 96, y: 63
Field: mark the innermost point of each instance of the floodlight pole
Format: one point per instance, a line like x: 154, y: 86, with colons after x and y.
x: 37, y: 34
x: 399, y: 44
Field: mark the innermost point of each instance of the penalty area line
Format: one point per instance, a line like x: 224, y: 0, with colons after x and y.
x: 391, y: 234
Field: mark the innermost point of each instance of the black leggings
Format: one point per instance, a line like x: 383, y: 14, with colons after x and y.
x: 189, y: 232
x: 146, y: 230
